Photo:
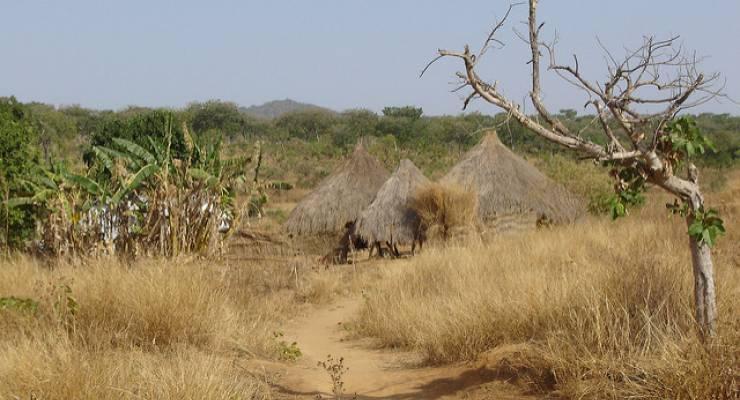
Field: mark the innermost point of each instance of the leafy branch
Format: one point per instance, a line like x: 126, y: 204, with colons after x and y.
x: 706, y: 226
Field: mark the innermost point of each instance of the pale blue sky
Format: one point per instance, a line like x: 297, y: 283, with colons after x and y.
x: 336, y: 53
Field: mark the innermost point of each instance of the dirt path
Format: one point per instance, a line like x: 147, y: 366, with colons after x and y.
x: 374, y: 374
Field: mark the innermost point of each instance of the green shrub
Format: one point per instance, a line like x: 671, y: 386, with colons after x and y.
x: 18, y: 155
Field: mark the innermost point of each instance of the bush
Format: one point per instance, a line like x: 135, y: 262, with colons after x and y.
x: 18, y: 155
x: 444, y: 210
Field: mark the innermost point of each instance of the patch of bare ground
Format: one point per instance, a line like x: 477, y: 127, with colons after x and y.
x: 372, y: 373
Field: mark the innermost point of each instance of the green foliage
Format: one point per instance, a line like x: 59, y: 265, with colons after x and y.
x: 404, y: 129
x: 141, y: 128
x: 68, y: 127
x: 409, y: 112
x: 306, y: 125
x: 683, y: 142
x: 629, y: 191
x: 18, y: 155
x: 685, y: 138
x: 352, y: 125
x: 139, y: 196
x: 56, y: 132
x: 19, y: 304
x: 216, y: 115
x: 287, y: 351
x: 706, y: 227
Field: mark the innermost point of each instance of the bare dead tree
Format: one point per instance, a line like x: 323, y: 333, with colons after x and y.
x: 643, y: 147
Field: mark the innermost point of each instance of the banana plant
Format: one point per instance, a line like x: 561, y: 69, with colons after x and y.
x: 140, y: 197
x: 64, y: 199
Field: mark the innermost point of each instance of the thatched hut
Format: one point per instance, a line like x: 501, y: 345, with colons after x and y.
x: 340, y: 198
x: 512, y: 193
x: 389, y: 218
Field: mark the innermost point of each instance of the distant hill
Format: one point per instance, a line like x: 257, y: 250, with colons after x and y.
x: 274, y: 109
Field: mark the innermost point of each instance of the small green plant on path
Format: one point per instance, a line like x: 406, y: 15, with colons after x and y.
x: 287, y: 351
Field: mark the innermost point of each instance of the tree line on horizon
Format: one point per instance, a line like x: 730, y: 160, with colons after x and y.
x: 66, y: 132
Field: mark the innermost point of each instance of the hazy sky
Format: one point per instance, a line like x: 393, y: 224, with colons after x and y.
x: 340, y: 53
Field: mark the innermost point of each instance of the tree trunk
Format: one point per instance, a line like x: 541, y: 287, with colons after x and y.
x: 705, y: 299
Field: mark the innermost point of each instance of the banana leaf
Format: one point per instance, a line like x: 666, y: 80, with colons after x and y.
x: 136, y: 150
x: 134, y: 182
x: 86, y: 183
x: 104, y: 158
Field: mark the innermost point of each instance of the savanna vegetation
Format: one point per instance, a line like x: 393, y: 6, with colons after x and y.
x: 129, y: 267
x: 152, y: 329
x: 570, y: 309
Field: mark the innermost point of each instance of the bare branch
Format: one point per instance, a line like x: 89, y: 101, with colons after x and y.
x: 535, y: 95
x: 491, y: 36
x: 601, y: 113
x: 439, y: 57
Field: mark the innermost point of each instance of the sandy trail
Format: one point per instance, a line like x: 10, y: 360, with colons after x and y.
x: 372, y: 374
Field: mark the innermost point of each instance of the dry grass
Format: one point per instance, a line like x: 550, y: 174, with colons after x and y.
x: 52, y: 367
x: 325, y: 285
x: 605, y: 308
x: 595, y: 310
x: 157, y: 329
x: 444, y: 210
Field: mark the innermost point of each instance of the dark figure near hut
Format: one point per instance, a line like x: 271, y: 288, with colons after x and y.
x: 350, y: 242
x: 390, y: 219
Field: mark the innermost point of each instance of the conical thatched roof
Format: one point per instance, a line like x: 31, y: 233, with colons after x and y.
x: 508, y: 185
x: 340, y: 198
x: 389, y: 218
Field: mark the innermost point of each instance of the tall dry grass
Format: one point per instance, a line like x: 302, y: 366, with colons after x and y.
x: 157, y: 330
x: 53, y: 367
x: 601, y: 309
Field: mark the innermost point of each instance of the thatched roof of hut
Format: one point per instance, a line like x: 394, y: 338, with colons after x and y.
x: 508, y: 185
x: 389, y: 218
x: 340, y: 198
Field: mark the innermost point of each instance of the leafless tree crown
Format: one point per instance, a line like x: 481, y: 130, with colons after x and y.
x: 644, y: 90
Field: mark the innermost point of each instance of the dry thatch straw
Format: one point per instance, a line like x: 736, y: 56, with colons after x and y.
x: 390, y: 218
x: 445, y: 211
x: 507, y: 185
x: 340, y: 198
